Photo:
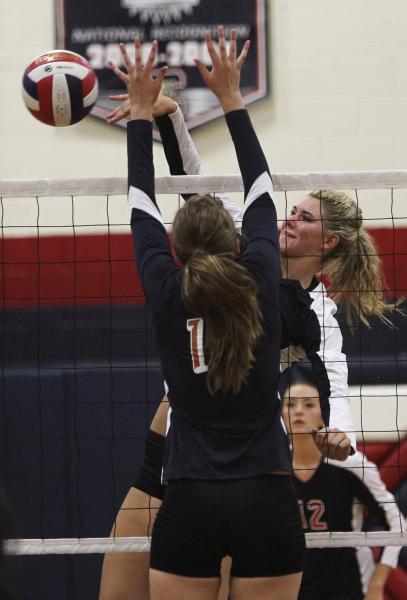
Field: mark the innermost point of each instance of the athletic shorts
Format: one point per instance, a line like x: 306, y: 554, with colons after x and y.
x: 149, y: 477
x: 255, y: 521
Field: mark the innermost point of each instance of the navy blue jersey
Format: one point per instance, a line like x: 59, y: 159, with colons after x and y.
x: 299, y: 323
x: 221, y: 436
x: 334, y: 499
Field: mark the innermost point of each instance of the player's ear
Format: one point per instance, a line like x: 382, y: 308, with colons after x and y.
x: 330, y: 242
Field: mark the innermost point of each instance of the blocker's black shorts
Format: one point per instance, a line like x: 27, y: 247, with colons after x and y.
x: 255, y: 520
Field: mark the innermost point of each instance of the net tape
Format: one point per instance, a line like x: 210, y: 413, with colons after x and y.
x: 335, y: 539
x: 20, y: 188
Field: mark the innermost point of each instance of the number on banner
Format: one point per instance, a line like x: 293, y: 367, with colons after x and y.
x: 196, y: 328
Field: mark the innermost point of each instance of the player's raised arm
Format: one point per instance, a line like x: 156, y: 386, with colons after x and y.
x: 153, y: 255
x: 224, y: 80
x: 259, y: 224
x: 143, y: 91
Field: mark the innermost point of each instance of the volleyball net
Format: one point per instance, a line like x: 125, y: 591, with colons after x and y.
x: 80, y: 374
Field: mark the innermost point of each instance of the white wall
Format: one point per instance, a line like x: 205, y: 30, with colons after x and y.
x: 338, y: 100
x: 379, y: 411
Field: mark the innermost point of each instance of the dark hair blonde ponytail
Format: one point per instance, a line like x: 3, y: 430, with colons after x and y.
x: 220, y: 290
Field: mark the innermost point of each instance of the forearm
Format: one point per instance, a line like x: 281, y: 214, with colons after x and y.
x: 140, y: 157
x: 379, y: 578
x: 340, y: 413
x: 250, y: 156
x: 180, y: 152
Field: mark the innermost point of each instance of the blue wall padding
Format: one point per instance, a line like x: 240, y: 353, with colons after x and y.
x: 72, y: 441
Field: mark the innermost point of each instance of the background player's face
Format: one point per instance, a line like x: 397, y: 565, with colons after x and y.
x: 301, y: 409
x: 302, y: 232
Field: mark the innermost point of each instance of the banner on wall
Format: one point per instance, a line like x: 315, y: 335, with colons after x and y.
x: 95, y: 28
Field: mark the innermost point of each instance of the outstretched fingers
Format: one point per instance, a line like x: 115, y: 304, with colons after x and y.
x: 232, y: 45
x: 126, y: 58
x: 160, y: 77
x: 242, y: 57
x: 118, y: 97
x: 151, y: 57
x: 202, y: 69
x: 120, y: 112
x: 138, y: 53
x: 211, y: 48
x: 222, y: 43
x: 120, y: 74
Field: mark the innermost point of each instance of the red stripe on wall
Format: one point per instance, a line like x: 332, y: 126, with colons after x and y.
x: 88, y: 270
x: 60, y: 271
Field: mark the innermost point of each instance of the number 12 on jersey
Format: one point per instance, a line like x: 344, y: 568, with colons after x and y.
x: 196, y: 330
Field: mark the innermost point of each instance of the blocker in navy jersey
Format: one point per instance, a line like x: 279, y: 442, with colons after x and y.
x: 309, y: 327
x: 222, y: 436
x: 59, y: 88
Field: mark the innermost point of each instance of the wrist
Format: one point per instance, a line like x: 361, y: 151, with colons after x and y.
x: 232, y: 102
x: 141, y: 112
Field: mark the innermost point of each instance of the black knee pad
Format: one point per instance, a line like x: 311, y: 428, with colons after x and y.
x: 149, y: 477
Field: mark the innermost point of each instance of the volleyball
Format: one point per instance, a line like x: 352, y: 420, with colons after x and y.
x: 59, y: 88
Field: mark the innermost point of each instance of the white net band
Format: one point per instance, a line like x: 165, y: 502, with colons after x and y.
x: 22, y: 188
x: 336, y: 539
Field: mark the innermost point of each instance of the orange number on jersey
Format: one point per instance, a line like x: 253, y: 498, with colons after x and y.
x: 195, y: 328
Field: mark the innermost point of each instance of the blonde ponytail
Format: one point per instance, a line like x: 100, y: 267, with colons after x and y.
x: 354, y: 267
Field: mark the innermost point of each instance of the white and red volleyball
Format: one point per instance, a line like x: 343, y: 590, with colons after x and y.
x: 59, y: 88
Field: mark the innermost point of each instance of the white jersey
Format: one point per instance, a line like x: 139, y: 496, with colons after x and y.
x: 332, y: 356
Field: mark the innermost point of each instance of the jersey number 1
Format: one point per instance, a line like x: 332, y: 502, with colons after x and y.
x: 195, y: 328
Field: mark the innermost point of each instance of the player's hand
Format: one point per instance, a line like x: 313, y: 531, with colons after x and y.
x: 332, y: 443
x: 224, y: 77
x: 163, y: 106
x: 120, y: 112
x: 142, y: 89
x: 123, y: 110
